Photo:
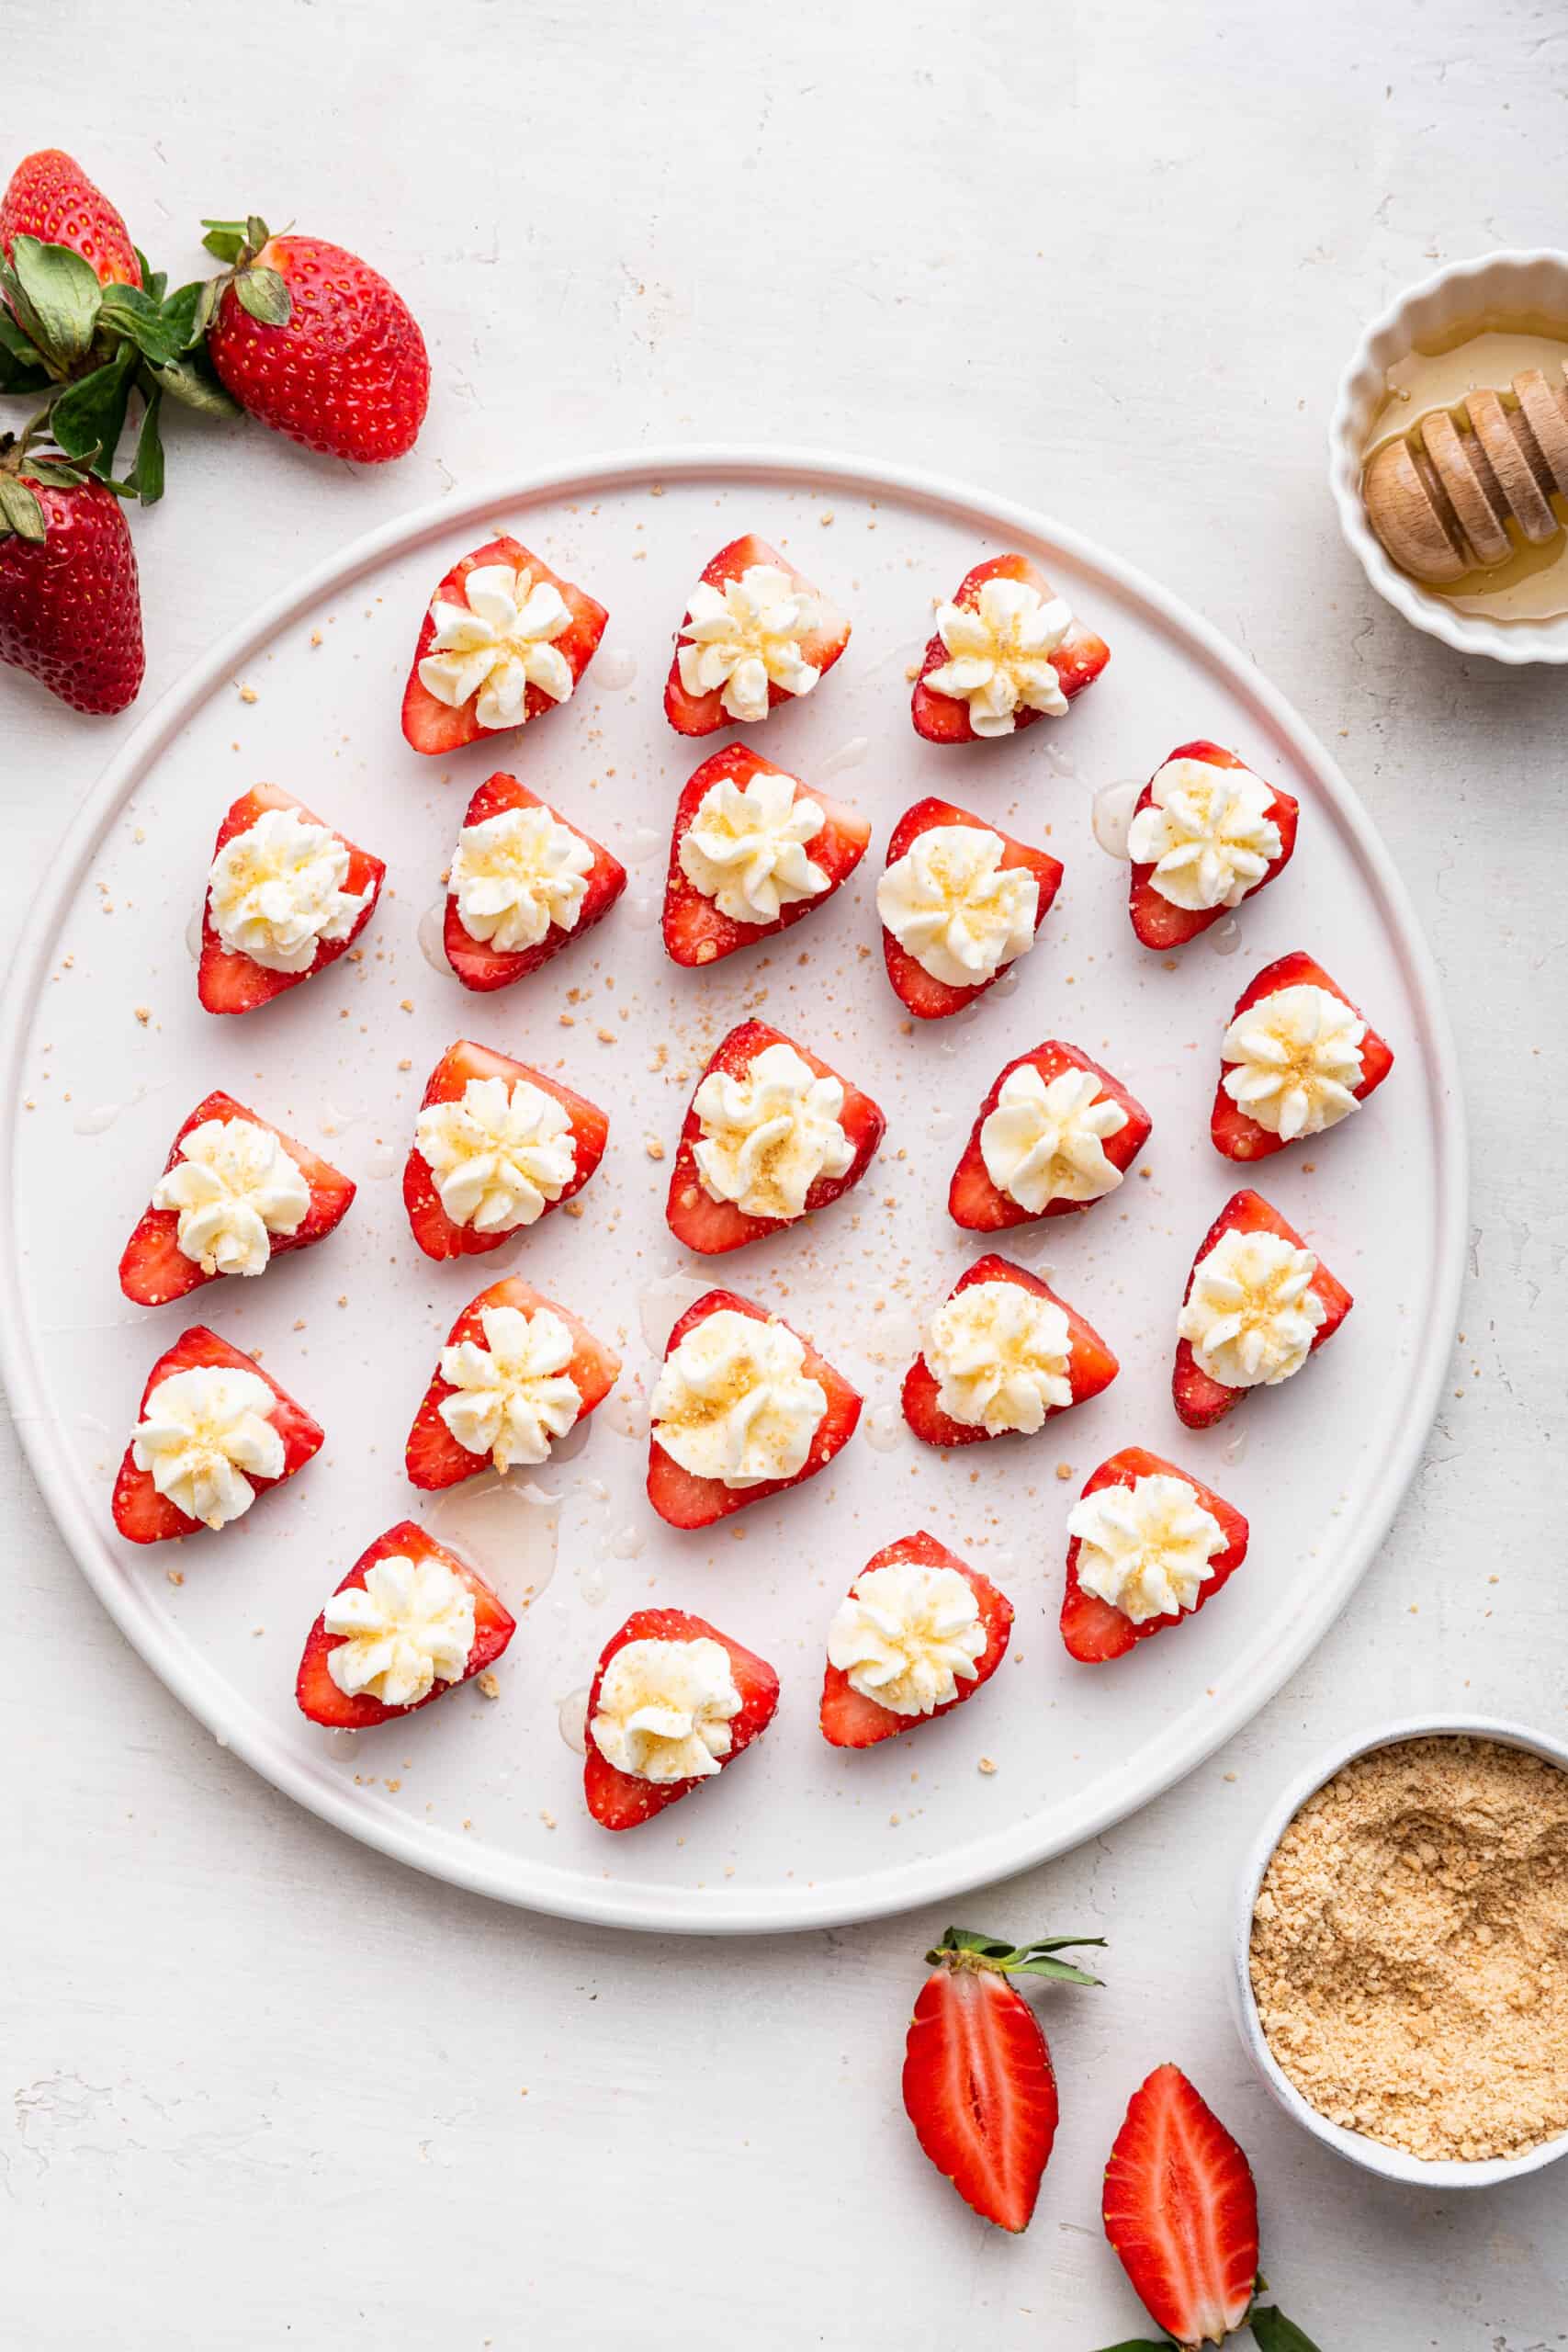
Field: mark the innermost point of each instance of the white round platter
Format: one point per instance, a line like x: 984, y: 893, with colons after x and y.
x: 107, y: 1050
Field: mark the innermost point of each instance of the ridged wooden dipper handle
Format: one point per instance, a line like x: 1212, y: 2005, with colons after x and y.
x: 1439, y: 503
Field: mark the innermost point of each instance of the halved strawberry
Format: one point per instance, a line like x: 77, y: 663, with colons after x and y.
x: 849, y: 1718
x: 228, y: 982
x: 480, y: 965
x: 704, y: 713
x: 319, y: 1697
x: 1200, y: 1401
x: 433, y: 726
x: 1078, y: 661
x: 1157, y: 923
x: 687, y: 1501
x: 144, y: 1516
x: 978, y: 2086
x: 696, y: 931
x: 1095, y: 1630
x: 1090, y: 1364
x: 155, y: 1269
x: 927, y: 998
x: 1181, y: 2209
x: 433, y: 1457
x: 620, y: 1800
x: 977, y: 1205
x: 1234, y: 1132
x: 711, y: 1227
x: 434, y: 1230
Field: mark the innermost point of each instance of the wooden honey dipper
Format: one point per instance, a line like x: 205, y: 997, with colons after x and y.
x: 1440, y: 496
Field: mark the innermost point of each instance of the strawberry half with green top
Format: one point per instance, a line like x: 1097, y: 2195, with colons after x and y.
x: 919, y: 1632
x: 1149, y: 1546
x: 1055, y: 1134
x: 497, y: 1145
x: 1207, y: 833
x: 504, y: 639
x: 673, y: 1703
x: 772, y: 1135
x: 235, y: 1192
x: 1297, y: 1057
x: 756, y: 633
x: 754, y: 850
x: 978, y: 2084
x: 214, y: 1432
x: 1181, y: 2209
x: 1006, y: 652
x: 408, y: 1622
x: 50, y: 196
x: 69, y: 602
x: 518, y: 1371
x: 743, y: 1408
x: 1003, y: 1354
x: 1259, y: 1303
x: 525, y: 882
x: 960, y: 901
x: 286, y: 895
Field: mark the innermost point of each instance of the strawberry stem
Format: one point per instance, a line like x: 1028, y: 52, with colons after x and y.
x: 962, y: 1947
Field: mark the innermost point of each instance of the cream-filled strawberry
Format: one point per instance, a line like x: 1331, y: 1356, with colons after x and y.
x: 1003, y: 1354
x: 236, y: 1192
x: 673, y: 1701
x: 497, y: 1145
x: 1206, y: 833
x: 1297, y: 1059
x: 918, y: 1632
x: 518, y: 1372
x: 214, y: 1431
x: 1149, y: 1545
x: 754, y: 851
x: 286, y: 895
x: 756, y: 633
x: 959, y: 901
x: 1258, y: 1304
x: 743, y: 1406
x: 524, y: 883
x: 503, y: 640
x: 1006, y: 651
x: 1055, y: 1134
x: 772, y: 1135
x: 408, y: 1620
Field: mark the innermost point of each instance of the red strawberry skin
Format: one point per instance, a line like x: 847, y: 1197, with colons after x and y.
x: 979, y: 2090
x: 433, y: 1457
x: 50, y: 196
x: 711, y: 1227
x: 155, y: 1269
x: 227, y: 982
x: 934, y: 999
x: 685, y: 1501
x: 1090, y: 1365
x: 1092, y: 1630
x: 318, y: 1695
x: 432, y: 1228
x: 1078, y: 661
x: 1181, y: 2209
x: 1200, y: 1401
x: 848, y: 1719
x: 481, y: 967
x: 975, y: 1203
x: 347, y: 375
x: 705, y: 714
x: 696, y: 932
x: 1155, y: 922
x: 434, y: 727
x: 144, y: 1516
x: 619, y: 1800
x: 71, y: 604
x: 1236, y: 1134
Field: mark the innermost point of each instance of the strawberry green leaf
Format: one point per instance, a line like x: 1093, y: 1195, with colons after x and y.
x: 225, y: 240
x: 262, y: 293
x: 88, y: 417
x: 56, y: 473
x: 16, y: 344
x: 255, y: 233
x: 64, y: 295
x: 1275, y: 2333
x: 1144, y: 2344
x: 20, y: 510
x: 206, y: 303
x: 127, y: 312
x: 180, y: 312
x: 1020, y: 1960
x: 27, y: 321
x: 192, y: 383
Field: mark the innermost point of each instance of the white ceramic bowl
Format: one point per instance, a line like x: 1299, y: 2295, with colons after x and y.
x: 1516, y: 283
x: 1393, y: 2164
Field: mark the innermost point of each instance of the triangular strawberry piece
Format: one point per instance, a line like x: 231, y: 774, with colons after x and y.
x: 980, y: 1206
x: 434, y: 727
x: 434, y: 1231
x: 820, y: 645
x: 1235, y: 1133
x: 687, y: 1501
x: 228, y: 982
x: 696, y: 931
x: 144, y: 1516
x: 319, y: 1697
x: 850, y: 1719
x: 1090, y: 1364
x: 153, y: 1268
x: 1156, y: 921
x: 433, y: 1457
x: 1095, y: 1630
x: 1078, y: 661
x: 477, y: 962
x: 710, y: 1225
x: 1180, y: 2209
x: 917, y: 989
x: 1201, y: 1401
x: 619, y: 1800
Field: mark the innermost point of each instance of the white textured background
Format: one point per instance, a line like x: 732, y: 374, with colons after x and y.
x: 259, y: 2087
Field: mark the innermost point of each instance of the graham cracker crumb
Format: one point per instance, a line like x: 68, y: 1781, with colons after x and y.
x: 489, y: 1684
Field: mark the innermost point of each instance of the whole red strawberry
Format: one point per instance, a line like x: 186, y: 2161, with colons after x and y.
x: 70, y: 607
x: 50, y: 196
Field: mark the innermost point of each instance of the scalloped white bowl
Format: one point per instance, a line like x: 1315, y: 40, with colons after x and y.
x: 1501, y: 282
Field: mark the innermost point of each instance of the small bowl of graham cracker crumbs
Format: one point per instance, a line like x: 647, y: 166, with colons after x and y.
x: 1401, y: 1951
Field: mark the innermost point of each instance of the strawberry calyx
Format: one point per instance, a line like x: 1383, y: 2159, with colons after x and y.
x: 22, y: 510
x: 258, y: 289
x: 1271, y: 2331
x: 962, y: 1949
